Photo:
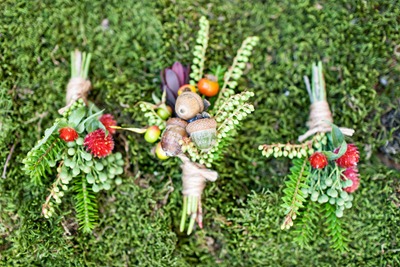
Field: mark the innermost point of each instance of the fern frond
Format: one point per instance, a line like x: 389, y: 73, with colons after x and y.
x: 305, y: 228
x: 293, y: 196
x: 86, y: 205
x: 334, y: 229
x: 40, y: 161
x: 199, y: 52
x: 236, y: 70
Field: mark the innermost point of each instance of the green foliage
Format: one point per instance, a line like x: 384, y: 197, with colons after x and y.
x: 41, y: 159
x: 334, y: 228
x: 199, y: 51
x: 293, y: 195
x: 131, y: 42
x: 86, y: 205
x: 305, y: 228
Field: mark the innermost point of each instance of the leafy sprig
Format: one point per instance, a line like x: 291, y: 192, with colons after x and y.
x: 199, y: 52
x: 293, y: 196
x: 235, y: 71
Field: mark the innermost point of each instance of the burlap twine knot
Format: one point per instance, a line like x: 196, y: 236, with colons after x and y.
x: 77, y: 88
x: 194, y: 177
x: 318, y: 122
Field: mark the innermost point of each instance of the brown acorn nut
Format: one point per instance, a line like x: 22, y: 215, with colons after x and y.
x: 188, y: 104
x: 173, y: 133
x: 203, y: 133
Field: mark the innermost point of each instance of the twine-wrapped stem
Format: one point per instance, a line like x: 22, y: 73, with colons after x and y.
x: 194, y: 178
x: 79, y: 85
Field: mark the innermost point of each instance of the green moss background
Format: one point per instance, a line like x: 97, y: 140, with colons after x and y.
x: 131, y: 42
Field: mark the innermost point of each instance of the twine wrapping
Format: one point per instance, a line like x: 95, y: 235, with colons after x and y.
x: 319, y: 121
x: 194, y: 177
x: 77, y: 88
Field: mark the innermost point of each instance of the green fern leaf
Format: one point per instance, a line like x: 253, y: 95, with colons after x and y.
x: 334, y: 229
x: 305, y: 228
x: 293, y: 196
x: 86, y: 205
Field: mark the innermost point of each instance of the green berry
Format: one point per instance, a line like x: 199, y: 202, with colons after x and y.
x: 340, y: 201
x: 112, y: 170
x: 71, y: 144
x: 339, y: 213
x: 348, y: 205
x: 119, y: 171
x: 120, y: 162
x: 76, y: 172
x: 118, y: 181
x: 118, y: 156
x: 332, y: 200
x: 323, y: 199
x: 328, y: 182
x: 99, y: 166
x: 344, y: 195
x: 332, y: 192
x: 71, y: 151
x: 152, y: 134
x: 106, y: 186
x: 95, y: 188
x: 86, y: 169
x: 90, y: 178
x: 102, y: 177
x: 79, y: 141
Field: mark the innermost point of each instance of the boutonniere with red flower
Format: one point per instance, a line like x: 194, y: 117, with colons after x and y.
x: 324, y: 175
x: 76, y: 152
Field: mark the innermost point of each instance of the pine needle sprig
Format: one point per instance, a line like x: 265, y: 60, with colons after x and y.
x: 293, y: 196
x: 40, y: 161
x: 86, y: 205
x: 305, y: 228
x: 334, y: 229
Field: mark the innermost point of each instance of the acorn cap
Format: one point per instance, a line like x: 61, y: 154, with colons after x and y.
x: 201, y: 124
x: 177, y: 121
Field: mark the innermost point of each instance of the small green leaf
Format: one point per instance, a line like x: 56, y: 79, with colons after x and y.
x: 337, y: 136
x: 46, y: 136
x: 81, y: 126
x: 76, y: 116
x: 332, y: 156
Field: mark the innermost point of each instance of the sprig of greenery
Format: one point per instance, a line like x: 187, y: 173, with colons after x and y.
x: 199, y: 53
x: 334, y: 229
x: 86, y: 205
x: 149, y: 112
x: 236, y: 70
x: 304, y: 231
x: 39, y: 162
x: 293, y: 196
x: 228, y: 118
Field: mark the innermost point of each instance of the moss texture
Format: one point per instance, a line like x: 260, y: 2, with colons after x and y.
x: 130, y: 43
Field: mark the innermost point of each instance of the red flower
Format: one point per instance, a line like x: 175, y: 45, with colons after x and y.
x: 68, y: 134
x: 318, y: 160
x: 108, y: 120
x: 350, y: 158
x: 98, y: 144
x: 351, y: 174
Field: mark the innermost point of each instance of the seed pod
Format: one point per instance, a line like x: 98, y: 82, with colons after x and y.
x: 173, y: 133
x: 203, y: 133
x: 188, y: 104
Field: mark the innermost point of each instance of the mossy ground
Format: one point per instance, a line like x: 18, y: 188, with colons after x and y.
x: 130, y: 43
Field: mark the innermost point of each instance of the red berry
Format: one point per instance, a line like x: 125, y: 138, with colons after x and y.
x: 318, y: 160
x: 98, y: 144
x: 68, y: 134
x: 350, y: 158
x: 351, y: 174
x: 108, y: 120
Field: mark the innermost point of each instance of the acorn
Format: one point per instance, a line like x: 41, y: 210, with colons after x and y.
x: 188, y: 104
x: 173, y: 133
x: 203, y: 133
